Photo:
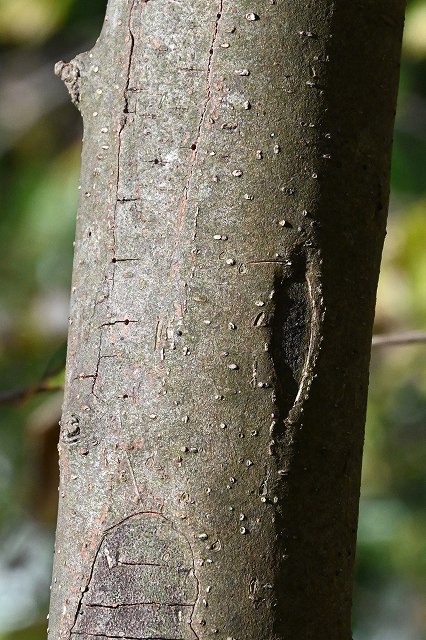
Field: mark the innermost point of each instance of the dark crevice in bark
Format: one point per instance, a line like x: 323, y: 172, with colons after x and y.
x: 125, y: 322
x: 290, y: 331
x: 98, y: 363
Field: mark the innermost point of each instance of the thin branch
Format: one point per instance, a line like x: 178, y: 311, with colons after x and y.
x: 398, y: 339
x: 19, y: 396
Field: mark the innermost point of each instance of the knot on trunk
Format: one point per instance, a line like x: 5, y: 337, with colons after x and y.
x: 69, y: 73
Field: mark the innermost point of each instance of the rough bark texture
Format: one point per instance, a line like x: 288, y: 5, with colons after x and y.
x: 233, y: 207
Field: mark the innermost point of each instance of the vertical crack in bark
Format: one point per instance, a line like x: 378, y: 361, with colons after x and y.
x: 123, y: 122
x: 100, y: 298
x: 197, y: 582
x: 186, y: 190
x: 194, y: 254
x: 98, y: 362
x: 208, y: 92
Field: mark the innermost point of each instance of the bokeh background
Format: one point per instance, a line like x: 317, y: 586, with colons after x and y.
x: 40, y: 143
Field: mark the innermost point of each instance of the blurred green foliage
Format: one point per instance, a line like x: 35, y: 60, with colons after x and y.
x: 39, y: 163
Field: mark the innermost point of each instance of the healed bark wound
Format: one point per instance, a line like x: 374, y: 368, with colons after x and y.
x: 233, y: 203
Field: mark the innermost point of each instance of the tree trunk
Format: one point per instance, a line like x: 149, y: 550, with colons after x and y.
x: 233, y: 207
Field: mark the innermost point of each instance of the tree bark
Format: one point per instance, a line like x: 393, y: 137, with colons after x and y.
x: 234, y: 192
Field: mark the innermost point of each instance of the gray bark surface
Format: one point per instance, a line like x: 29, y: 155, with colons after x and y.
x: 233, y: 207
